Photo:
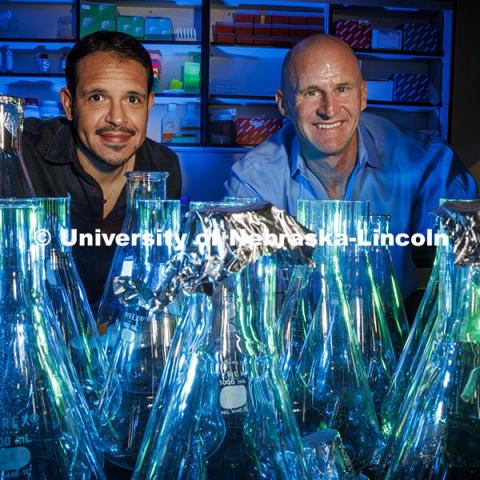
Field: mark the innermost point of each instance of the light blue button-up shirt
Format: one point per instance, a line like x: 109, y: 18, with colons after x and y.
x: 400, y: 173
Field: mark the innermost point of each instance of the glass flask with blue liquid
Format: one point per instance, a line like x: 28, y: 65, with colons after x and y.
x: 223, y: 411
x: 44, y: 430
x: 438, y: 434
x: 329, y: 385
x: 387, y: 283
x: 14, y: 179
x: 70, y: 302
x: 142, y: 338
x: 140, y: 186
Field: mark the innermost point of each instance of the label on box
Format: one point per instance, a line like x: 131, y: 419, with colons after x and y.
x: 254, y: 130
x: 387, y: 39
x: 356, y: 33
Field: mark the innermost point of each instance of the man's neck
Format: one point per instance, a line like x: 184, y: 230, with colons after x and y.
x: 103, y: 174
x: 333, y: 171
x: 111, y: 179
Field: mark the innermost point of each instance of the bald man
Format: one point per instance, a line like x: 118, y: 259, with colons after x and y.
x: 329, y: 149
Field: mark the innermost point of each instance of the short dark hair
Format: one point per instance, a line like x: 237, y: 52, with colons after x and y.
x: 117, y: 43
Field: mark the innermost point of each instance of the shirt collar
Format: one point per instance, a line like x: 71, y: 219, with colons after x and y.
x: 367, y: 153
x: 62, y: 147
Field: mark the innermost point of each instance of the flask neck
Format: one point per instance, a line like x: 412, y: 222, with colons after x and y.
x: 21, y: 258
x: 14, y: 179
x: 57, y: 223
x: 142, y: 186
x: 11, y: 121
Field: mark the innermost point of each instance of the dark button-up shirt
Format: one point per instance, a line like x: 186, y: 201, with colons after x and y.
x: 49, y: 152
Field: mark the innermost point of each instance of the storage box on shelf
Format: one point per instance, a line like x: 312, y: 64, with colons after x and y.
x: 401, y: 51
x: 256, y: 27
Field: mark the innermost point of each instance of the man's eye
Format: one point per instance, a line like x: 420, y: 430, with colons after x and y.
x: 343, y: 89
x: 96, y: 98
x: 311, y: 93
x: 133, y: 99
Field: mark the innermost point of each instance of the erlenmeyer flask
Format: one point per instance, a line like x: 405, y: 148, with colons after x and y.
x: 43, y: 432
x: 248, y: 431
x: 362, y: 294
x: 387, y: 283
x: 294, y: 319
x: 330, y: 386
x: 412, y: 353
x: 438, y: 434
x: 140, y: 186
x: 14, y: 179
x: 142, y: 339
x: 70, y: 302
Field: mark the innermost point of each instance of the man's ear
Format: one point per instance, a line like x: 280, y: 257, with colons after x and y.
x: 151, y: 101
x: 67, y: 102
x: 364, y: 95
x: 281, y: 102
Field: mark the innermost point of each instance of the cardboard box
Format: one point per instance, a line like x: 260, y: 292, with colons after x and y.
x: 243, y: 17
x: 298, y: 19
x: 243, y: 28
x: 244, y: 39
x: 159, y: 28
x: 411, y: 87
x: 97, y: 16
x: 420, y: 37
x: 316, y: 20
x: 254, y: 130
x: 262, y: 40
x: 262, y: 29
x: 224, y: 27
x: 224, y: 37
x: 386, y: 39
x: 280, y: 30
x: 262, y: 18
x: 314, y: 29
x: 133, y: 25
x: 280, y: 19
x: 356, y: 33
x: 297, y: 31
x: 380, y: 90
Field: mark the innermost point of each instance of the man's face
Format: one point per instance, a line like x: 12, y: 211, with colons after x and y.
x: 323, y: 98
x: 110, y: 106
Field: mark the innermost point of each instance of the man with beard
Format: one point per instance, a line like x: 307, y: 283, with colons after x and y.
x: 107, y: 102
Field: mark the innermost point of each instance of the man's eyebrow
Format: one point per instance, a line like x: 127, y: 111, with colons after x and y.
x: 94, y: 90
x: 103, y: 91
x: 136, y: 92
x: 310, y: 87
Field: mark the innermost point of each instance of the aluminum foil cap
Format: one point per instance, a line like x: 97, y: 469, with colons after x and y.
x: 219, y: 242
x: 460, y: 220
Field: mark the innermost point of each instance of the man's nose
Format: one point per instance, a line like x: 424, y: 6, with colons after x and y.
x: 327, y: 106
x: 116, y: 114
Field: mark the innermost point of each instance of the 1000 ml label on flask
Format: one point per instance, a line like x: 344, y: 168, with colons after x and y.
x: 15, y: 442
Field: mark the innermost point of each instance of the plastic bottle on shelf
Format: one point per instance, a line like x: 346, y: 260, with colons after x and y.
x: 190, y: 125
x: 31, y: 108
x: 8, y: 59
x: 170, y: 124
x: 43, y: 62
x: 63, y: 63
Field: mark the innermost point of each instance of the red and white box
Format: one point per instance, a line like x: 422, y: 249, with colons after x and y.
x: 357, y: 33
x: 254, y: 130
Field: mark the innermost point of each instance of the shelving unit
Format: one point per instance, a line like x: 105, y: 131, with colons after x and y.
x: 240, y: 76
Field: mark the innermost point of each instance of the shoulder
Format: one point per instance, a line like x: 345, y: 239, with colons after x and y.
x: 158, y: 157
x: 158, y: 154
x: 392, y: 141
x: 275, y: 151
x: 40, y: 134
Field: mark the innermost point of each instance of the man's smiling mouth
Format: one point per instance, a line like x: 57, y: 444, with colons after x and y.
x: 327, y: 126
